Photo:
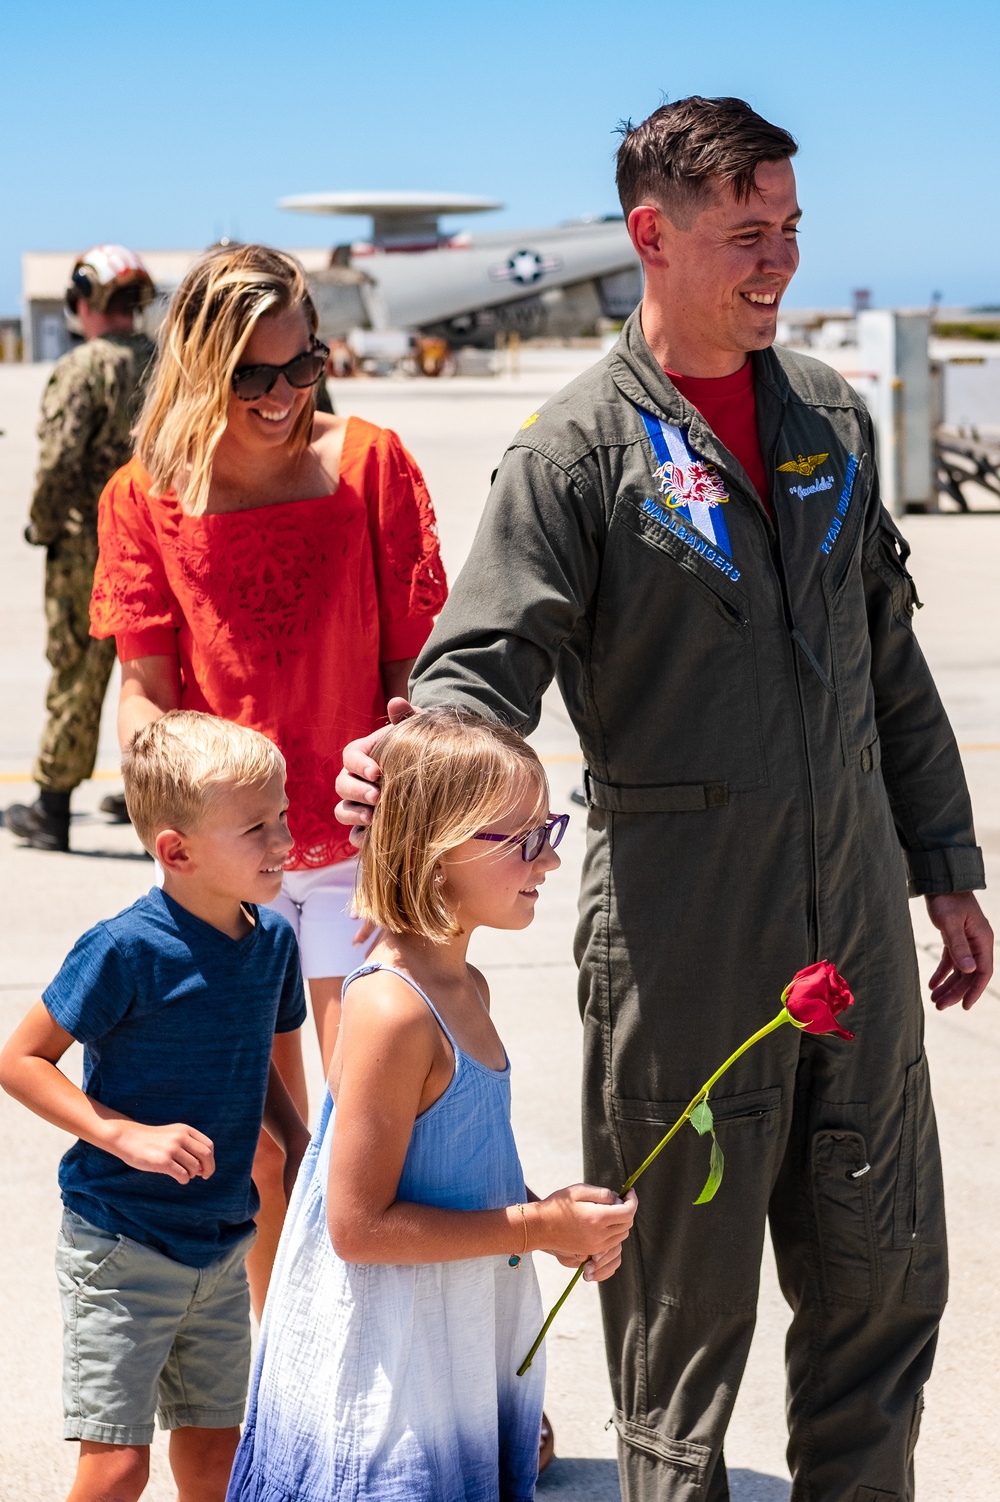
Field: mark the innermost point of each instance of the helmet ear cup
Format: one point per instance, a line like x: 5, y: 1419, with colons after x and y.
x: 81, y: 285
x: 108, y: 277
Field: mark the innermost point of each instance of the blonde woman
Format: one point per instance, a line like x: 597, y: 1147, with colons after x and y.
x: 277, y: 567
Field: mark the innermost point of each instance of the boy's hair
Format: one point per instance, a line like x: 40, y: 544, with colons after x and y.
x: 670, y: 158
x: 445, y: 774
x: 179, y: 763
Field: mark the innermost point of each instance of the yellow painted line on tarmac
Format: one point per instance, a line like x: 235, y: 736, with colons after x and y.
x: 27, y: 777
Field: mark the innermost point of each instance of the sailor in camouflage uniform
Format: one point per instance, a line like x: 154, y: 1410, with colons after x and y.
x: 89, y: 406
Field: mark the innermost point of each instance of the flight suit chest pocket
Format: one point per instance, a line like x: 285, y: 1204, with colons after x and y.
x: 672, y: 616
x: 706, y: 563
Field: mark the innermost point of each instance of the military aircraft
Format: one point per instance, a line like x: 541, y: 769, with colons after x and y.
x: 410, y: 275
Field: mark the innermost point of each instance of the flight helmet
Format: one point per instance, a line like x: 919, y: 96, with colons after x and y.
x: 104, y: 271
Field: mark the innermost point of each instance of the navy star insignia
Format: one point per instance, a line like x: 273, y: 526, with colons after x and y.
x: 802, y: 465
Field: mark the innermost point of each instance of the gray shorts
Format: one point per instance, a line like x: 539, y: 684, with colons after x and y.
x: 146, y: 1336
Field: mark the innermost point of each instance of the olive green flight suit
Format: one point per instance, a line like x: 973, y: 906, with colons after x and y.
x: 768, y: 762
x: 88, y: 409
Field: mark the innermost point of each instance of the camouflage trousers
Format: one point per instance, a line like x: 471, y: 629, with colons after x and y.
x: 81, y: 667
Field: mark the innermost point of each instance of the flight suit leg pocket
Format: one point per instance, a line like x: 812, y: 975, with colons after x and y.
x: 848, y: 1250
x: 705, y: 1259
x: 918, y: 1211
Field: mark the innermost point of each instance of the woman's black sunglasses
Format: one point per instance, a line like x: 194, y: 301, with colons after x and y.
x: 253, y: 381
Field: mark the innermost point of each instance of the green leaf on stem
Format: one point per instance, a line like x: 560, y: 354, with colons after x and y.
x: 701, y: 1118
x: 715, y: 1167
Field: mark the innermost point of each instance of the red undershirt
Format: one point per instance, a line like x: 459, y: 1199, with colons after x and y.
x: 727, y: 405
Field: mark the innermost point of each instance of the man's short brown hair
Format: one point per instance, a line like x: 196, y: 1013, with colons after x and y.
x: 670, y: 159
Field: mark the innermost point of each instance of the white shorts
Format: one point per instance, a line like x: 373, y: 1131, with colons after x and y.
x: 319, y: 906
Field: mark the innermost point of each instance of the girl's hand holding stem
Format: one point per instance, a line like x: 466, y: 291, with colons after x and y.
x: 582, y: 1224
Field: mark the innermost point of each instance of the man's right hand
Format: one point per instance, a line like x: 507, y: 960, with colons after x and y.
x: 179, y: 1151
x: 358, y: 780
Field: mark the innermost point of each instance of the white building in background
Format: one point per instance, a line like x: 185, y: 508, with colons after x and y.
x: 45, y: 276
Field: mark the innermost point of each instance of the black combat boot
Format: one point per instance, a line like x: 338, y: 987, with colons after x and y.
x: 114, y: 804
x: 44, y: 823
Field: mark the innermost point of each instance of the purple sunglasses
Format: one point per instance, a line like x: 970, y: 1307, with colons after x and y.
x: 533, y: 843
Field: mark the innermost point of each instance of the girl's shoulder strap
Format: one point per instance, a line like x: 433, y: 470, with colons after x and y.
x: 391, y: 969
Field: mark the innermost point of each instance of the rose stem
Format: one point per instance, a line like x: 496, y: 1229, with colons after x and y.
x: 776, y: 1022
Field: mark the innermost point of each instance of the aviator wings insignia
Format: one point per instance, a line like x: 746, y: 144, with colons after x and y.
x: 802, y: 465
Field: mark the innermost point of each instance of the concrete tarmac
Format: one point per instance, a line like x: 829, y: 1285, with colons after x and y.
x: 457, y: 430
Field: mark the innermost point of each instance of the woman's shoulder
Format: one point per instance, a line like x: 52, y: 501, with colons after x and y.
x: 133, y: 483
x: 132, y: 477
x: 130, y: 490
x: 359, y: 439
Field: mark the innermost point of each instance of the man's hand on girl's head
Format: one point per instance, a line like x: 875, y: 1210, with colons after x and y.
x: 358, y: 779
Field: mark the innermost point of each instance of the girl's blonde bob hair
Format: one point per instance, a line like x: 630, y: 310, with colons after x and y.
x: 446, y: 774
x: 210, y: 319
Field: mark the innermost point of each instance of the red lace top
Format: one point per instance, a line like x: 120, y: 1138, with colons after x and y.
x: 280, y: 616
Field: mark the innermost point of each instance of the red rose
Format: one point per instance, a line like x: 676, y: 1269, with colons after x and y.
x: 815, y: 996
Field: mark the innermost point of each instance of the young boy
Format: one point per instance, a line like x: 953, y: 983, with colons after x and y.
x: 176, y: 1001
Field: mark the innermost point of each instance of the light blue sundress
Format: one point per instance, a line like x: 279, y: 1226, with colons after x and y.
x: 398, y: 1384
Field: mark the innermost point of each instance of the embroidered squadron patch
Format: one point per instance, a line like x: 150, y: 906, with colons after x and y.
x: 698, y: 482
x: 802, y: 465
x: 692, y: 492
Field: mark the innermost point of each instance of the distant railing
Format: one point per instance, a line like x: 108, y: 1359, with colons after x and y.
x: 961, y: 457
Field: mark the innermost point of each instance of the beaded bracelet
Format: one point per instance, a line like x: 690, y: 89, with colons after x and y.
x: 515, y: 1259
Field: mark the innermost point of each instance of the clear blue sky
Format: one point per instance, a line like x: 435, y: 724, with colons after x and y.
x: 169, y: 124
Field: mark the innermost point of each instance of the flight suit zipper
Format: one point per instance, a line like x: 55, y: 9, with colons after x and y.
x: 772, y: 536
x: 795, y: 638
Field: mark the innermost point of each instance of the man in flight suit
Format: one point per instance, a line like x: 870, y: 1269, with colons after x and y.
x: 90, y: 403
x: 690, y: 539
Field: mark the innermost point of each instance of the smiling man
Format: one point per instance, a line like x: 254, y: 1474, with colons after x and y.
x: 690, y: 539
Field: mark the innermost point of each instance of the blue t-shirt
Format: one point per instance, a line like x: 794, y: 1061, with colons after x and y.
x: 177, y: 1021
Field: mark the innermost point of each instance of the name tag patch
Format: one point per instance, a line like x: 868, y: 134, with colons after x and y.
x: 694, y: 540
x: 825, y: 482
x: 833, y: 531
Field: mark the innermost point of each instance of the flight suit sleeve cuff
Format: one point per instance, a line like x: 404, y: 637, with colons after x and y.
x: 958, y: 868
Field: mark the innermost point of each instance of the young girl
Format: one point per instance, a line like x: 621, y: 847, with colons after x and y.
x: 403, y: 1297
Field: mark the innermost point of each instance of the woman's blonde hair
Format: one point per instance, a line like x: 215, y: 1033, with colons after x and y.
x: 177, y: 765
x: 211, y: 317
x: 445, y: 774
